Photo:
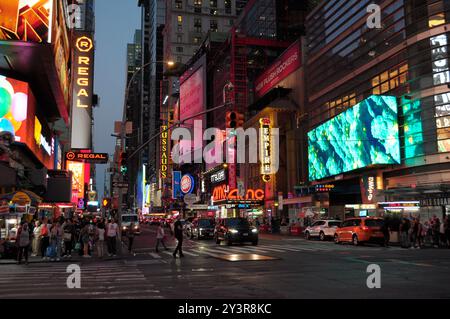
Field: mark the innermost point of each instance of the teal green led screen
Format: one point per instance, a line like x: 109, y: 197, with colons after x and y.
x: 367, y: 134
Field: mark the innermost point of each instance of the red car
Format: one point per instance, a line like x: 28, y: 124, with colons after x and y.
x: 360, y: 230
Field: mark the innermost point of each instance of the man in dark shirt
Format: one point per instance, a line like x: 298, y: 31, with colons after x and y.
x: 178, y: 230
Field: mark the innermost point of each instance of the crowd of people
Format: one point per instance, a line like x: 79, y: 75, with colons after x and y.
x: 58, y: 239
x: 416, y: 234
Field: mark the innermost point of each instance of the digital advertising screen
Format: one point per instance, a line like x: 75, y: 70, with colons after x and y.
x: 366, y: 134
x: 19, y: 117
x: 26, y: 20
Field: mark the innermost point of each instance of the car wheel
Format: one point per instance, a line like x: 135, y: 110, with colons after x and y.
x: 322, y: 236
x: 336, y: 239
x: 355, y: 240
x: 307, y: 236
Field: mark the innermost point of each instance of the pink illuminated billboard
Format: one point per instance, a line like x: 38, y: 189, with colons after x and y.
x: 286, y: 64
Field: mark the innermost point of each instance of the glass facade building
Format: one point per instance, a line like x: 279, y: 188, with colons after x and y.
x: 406, y: 56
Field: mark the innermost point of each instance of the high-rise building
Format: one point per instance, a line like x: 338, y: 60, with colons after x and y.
x: 378, y: 106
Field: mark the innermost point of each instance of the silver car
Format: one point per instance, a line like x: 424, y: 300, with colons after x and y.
x: 323, y: 229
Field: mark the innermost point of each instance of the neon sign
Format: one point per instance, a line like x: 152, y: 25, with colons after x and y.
x: 222, y: 193
x: 265, y: 147
x: 83, y: 74
x: 164, y: 149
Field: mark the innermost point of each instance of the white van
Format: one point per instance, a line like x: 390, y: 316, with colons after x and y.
x: 127, y: 220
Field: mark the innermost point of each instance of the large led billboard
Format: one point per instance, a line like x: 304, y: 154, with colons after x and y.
x: 26, y: 20
x: 365, y: 135
x: 19, y: 116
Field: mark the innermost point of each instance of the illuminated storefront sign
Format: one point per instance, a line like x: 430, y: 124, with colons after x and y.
x: 87, y: 157
x: 164, y: 152
x: 187, y: 184
x: 82, y: 71
x: 218, y: 177
x: 222, y: 193
x: 265, y: 147
x: 26, y: 20
x: 83, y: 76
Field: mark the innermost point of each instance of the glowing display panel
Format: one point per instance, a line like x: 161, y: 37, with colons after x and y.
x: 364, y: 135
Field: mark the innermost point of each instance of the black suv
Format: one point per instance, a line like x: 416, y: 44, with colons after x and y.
x: 202, y: 228
x: 234, y: 230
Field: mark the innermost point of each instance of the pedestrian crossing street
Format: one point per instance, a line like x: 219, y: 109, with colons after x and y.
x: 99, y: 280
x: 209, y: 249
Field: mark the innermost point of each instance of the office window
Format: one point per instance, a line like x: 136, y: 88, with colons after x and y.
x: 228, y: 6
x: 390, y: 79
x: 337, y: 106
x: 198, y: 6
x: 180, y: 49
x: 198, y: 25
x: 213, y: 25
x: 179, y: 39
x: 180, y: 20
x: 213, y: 12
x: 213, y: 3
x: 197, y: 40
x: 180, y: 28
x: 179, y: 4
x: 179, y: 59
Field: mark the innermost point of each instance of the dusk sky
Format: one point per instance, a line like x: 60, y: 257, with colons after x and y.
x: 115, y: 24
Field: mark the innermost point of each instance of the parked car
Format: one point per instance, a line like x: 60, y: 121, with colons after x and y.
x: 202, y: 228
x: 323, y: 229
x: 360, y: 230
x: 235, y: 230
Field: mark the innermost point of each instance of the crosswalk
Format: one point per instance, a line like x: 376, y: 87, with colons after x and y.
x: 98, y: 280
x: 208, y: 249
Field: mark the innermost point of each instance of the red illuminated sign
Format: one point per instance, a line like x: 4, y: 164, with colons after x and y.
x: 221, y: 193
x: 287, y: 63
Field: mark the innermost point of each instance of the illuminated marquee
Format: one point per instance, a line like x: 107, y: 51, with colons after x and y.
x: 164, y: 152
x: 265, y: 147
x: 83, y: 71
x: 221, y: 193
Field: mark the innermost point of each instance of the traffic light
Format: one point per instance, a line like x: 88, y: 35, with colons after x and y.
x: 234, y: 120
x: 106, y: 202
x: 123, y: 163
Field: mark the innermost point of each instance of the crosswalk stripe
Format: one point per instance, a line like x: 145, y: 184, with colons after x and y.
x: 155, y: 255
x: 202, y: 251
x: 284, y: 247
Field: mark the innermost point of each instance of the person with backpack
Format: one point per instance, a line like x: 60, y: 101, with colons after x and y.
x: 23, y: 242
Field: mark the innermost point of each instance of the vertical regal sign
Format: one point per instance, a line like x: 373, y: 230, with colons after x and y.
x: 82, y: 90
x: 164, y: 152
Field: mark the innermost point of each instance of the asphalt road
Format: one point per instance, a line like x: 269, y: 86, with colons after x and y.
x: 298, y: 269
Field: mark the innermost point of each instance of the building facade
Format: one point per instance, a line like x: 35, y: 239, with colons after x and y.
x: 403, y: 62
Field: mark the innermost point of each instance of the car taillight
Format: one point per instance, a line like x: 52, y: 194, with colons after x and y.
x: 365, y: 228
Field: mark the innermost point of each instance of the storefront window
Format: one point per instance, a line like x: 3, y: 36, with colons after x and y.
x: 389, y: 80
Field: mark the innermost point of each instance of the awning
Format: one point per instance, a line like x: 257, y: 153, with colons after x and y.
x: 23, y: 197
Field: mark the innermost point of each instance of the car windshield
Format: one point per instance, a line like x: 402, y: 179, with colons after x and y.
x: 374, y: 222
x: 334, y: 224
x: 129, y: 219
x: 206, y: 223
x: 233, y: 222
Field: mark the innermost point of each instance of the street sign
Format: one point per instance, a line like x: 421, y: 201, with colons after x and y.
x: 190, y: 199
x: 120, y: 185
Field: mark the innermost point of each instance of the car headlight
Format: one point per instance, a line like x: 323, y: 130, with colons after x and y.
x: 135, y: 227
x: 124, y: 227
x: 254, y: 230
x: 201, y: 229
x: 233, y: 231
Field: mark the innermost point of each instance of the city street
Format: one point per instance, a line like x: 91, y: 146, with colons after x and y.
x: 299, y: 269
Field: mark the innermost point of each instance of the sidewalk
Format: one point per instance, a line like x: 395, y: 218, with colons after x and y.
x: 76, y: 258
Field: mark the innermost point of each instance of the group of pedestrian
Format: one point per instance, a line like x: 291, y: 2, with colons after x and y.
x: 414, y: 234
x: 56, y: 240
